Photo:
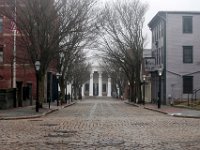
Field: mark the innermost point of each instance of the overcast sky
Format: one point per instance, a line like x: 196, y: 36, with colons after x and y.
x: 167, y: 5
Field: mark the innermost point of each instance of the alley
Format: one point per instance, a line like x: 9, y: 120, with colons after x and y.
x: 101, y: 124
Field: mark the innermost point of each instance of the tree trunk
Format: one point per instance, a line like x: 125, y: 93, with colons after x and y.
x: 132, y: 93
x: 41, y: 79
x: 79, y: 93
x: 62, y: 89
x: 75, y: 93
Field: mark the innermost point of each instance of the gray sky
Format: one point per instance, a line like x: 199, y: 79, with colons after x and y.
x: 167, y: 5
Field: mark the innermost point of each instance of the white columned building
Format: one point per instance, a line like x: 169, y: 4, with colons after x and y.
x: 98, y: 83
x: 91, y: 84
x: 109, y: 87
x: 83, y: 87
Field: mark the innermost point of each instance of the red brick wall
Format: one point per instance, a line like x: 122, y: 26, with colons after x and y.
x: 25, y: 72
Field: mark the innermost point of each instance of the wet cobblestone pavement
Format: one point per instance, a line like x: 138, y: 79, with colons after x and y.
x: 98, y: 124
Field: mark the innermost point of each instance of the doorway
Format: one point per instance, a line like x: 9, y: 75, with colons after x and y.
x: 19, y: 93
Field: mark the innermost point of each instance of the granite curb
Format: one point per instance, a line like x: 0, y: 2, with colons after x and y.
x: 173, y: 114
x: 36, y: 116
x: 133, y: 104
x: 156, y: 110
x: 185, y: 116
x: 69, y: 105
x: 166, y: 113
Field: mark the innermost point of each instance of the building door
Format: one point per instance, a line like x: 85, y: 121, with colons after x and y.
x: 95, y: 89
x: 30, y: 92
x: 49, y: 86
x: 54, y: 89
x: 19, y: 94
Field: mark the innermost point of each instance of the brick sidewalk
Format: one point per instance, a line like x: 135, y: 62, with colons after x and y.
x: 30, y: 112
x: 169, y: 110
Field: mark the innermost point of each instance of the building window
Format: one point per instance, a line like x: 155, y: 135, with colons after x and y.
x: 187, y: 24
x: 187, y: 54
x: 104, y: 87
x: 1, y: 25
x: 187, y: 84
x: 1, y: 53
x: 87, y: 87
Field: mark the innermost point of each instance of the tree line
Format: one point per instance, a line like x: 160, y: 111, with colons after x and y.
x: 59, y: 31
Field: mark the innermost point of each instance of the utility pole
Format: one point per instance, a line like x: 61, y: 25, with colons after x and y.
x: 14, y: 47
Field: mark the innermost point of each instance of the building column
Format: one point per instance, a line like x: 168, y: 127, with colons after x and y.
x: 109, y: 87
x: 83, y: 90
x: 91, y: 85
x: 100, y: 83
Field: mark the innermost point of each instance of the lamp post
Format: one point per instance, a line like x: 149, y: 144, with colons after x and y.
x: 37, y: 67
x: 58, y: 76
x: 144, y: 78
x: 129, y: 93
x: 160, y: 71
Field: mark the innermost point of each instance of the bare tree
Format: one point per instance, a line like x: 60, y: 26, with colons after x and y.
x: 123, y: 40
x: 39, y: 26
x: 116, y: 73
x: 80, y: 72
x: 81, y: 14
x: 52, y: 31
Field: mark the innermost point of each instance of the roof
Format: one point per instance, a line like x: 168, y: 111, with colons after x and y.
x: 161, y: 15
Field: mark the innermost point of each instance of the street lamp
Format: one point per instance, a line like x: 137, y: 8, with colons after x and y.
x: 58, y: 76
x: 144, y: 78
x: 37, y: 68
x: 160, y: 71
x: 129, y: 93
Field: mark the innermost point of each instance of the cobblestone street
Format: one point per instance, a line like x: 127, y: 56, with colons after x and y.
x: 96, y: 124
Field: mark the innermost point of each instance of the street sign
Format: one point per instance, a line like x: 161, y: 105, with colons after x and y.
x: 149, y: 64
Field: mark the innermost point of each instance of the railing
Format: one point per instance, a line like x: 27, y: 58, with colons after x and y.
x: 194, y: 94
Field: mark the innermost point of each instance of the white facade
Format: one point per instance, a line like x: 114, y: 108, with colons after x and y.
x: 99, y: 84
x: 168, y: 42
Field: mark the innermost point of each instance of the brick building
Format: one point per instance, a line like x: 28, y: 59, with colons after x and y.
x: 25, y: 72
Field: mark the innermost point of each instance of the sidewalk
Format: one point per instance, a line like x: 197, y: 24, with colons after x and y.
x: 30, y: 112
x: 170, y: 110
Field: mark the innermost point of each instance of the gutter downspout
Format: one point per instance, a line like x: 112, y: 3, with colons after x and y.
x: 165, y: 63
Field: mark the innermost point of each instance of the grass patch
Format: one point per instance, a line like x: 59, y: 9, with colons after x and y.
x: 191, y: 105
